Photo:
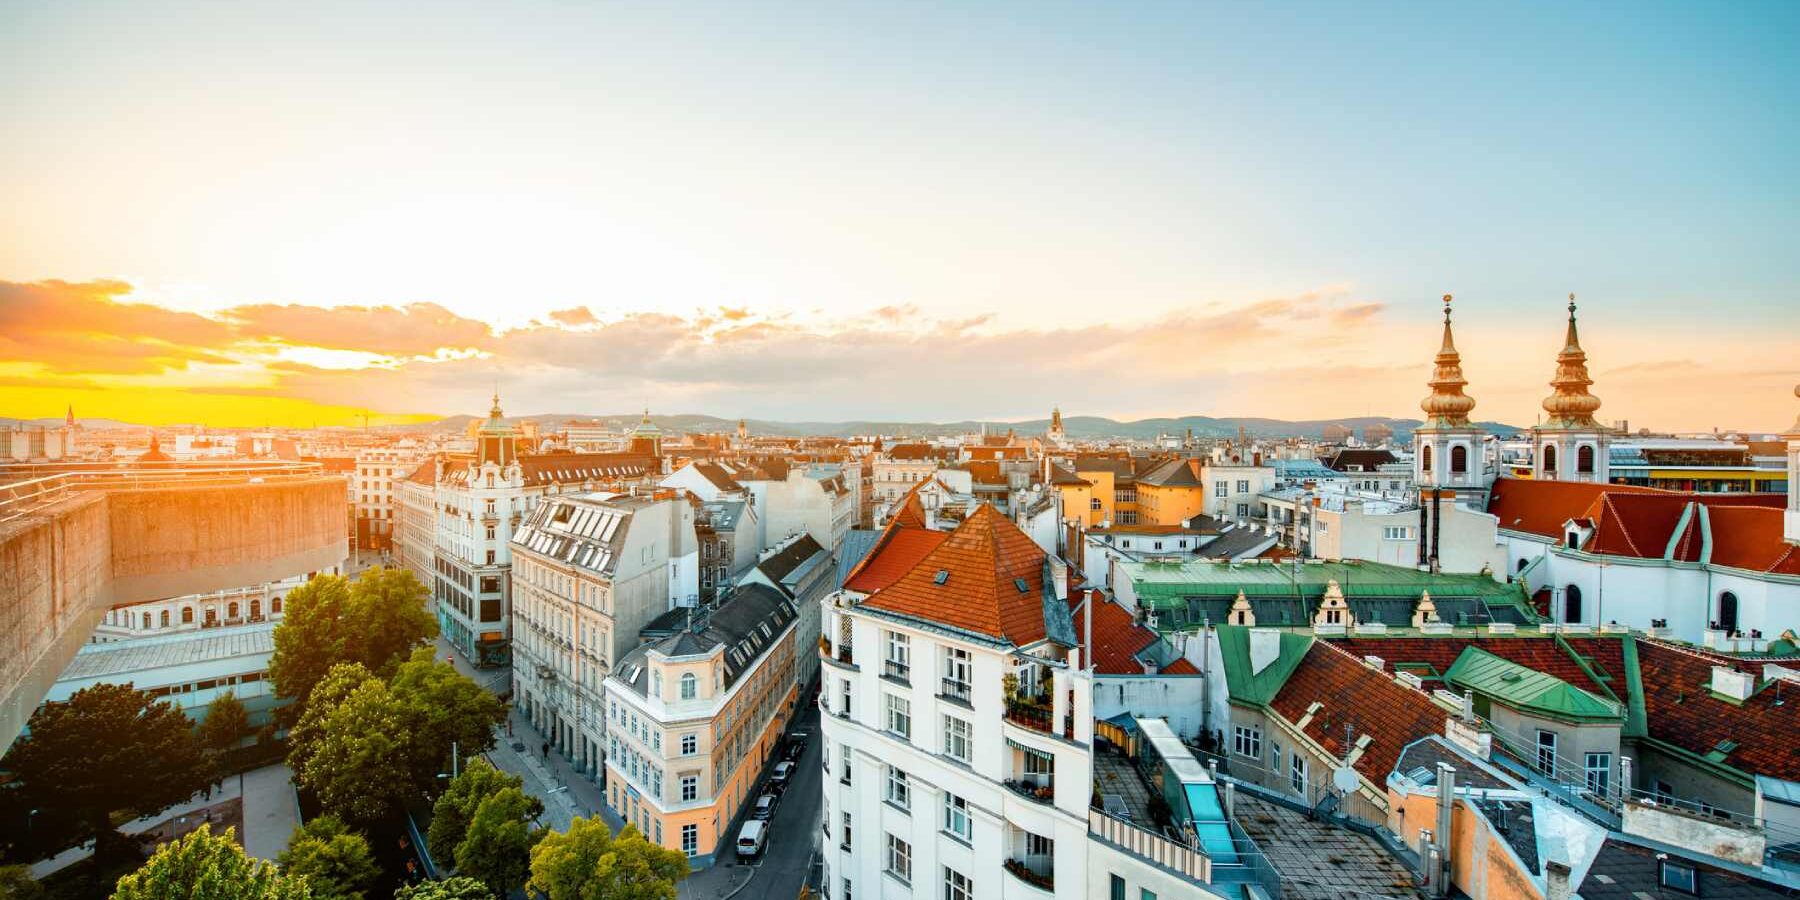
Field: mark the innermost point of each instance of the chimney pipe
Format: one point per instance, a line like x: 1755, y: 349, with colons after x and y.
x: 1556, y: 880
x: 1446, y: 805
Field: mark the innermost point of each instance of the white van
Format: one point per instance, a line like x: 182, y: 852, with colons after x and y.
x: 751, y: 837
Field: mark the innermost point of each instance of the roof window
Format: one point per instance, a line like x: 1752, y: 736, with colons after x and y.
x: 942, y: 576
x: 1020, y: 584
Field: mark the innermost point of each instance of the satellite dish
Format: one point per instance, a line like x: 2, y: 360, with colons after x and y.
x: 1344, y: 779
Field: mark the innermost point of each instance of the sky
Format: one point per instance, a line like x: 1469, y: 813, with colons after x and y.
x: 290, y: 214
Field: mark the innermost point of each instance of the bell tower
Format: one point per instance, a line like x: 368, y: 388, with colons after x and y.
x: 1570, y: 445
x: 1447, y: 448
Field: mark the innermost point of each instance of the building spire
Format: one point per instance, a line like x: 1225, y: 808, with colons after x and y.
x: 1447, y: 405
x: 1571, y: 406
x: 494, y: 412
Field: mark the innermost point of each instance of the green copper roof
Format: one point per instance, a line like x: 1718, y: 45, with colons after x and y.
x: 1258, y: 688
x: 1156, y: 582
x: 1525, y: 688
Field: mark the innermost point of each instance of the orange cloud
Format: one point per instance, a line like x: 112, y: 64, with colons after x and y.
x: 417, y: 329
x: 76, y: 328
x: 575, y: 317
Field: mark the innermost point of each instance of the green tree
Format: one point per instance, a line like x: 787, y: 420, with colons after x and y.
x: 225, y: 724
x: 85, y: 760
x: 16, y: 884
x: 336, y: 861
x: 376, y: 621
x: 497, y: 847
x: 456, y: 888
x: 444, y: 709
x: 356, y: 752
x: 308, y: 734
x: 451, y: 814
x: 588, y: 863
x: 205, y: 866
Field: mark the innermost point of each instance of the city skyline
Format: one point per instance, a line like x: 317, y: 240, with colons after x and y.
x: 1125, y: 212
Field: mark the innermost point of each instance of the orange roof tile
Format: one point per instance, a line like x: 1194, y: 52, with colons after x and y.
x: 1750, y: 537
x: 1679, y: 709
x: 895, y: 555
x: 1543, y: 507
x: 1117, y: 637
x: 986, y: 577
x: 1370, y: 702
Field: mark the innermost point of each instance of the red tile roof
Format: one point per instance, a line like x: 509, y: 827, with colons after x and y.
x: 1180, y: 667
x: 1370, y: 702
x: 1679, y: 710
x: 1543, y: 654
x: 1117, y: 638
x: 1750, y: 537
x: 1543, y: 507
x: 893, y: 556
x: 982, y: 564
x: 911, y: 513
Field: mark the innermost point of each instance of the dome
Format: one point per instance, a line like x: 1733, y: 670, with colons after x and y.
x: 1571, y: 406
x: 1447, y: 405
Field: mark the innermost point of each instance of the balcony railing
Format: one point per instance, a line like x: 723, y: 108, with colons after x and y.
x: 956, y: 690
x: 1039, y: 788
x: 1037, y: 871
x: 896, y: 670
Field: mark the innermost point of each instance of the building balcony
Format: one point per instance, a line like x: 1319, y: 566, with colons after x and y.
x: 1037, y: 871
x: 1036, y: 789
x: 960, y: 691
x: 893, y: 670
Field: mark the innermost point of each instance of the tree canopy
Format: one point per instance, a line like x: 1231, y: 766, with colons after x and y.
x: 497, y: 847
x: 86, y: 759
x: 205, y: 866
x: 451, y: 815
x: 336, y: 861
x: 455, y: 888
x: 588, y: 863
x: 444, y: 709
x: 352, y: 747
x: 226, y: 723
x: 376, y: 621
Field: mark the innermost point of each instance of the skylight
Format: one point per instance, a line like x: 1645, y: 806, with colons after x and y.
x: 942, y: 576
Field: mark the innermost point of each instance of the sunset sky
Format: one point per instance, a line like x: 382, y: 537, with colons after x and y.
x: 285, y: 214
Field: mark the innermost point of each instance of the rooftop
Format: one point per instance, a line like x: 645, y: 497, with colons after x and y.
x: 114, y: 661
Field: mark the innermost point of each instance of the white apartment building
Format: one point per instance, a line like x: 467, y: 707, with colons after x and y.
x: 901, y: 466
x: 1232, y: 489
x: 817, y: 499
x: 193, y: 612
x: 1335, y: 521
x: 589, y: 572
x: 374, y: 500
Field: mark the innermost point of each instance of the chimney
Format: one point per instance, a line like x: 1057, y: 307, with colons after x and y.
x: 1556, y: 880
x: 1059, y: 577
x: 1446, y: 806
x: 1732, y: 683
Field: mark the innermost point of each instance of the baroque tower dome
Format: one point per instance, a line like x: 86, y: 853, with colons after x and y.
x: 1447, y: 406
x: 1571, y: 406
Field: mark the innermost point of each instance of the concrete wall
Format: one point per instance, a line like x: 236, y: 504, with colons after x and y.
x: 63, y: 569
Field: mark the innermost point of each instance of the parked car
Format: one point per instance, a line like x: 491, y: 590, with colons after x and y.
x: 783, y: 772
x: 765, y: 808
x: 751, y: 837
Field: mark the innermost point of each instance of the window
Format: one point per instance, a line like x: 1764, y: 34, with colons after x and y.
x: 1397, y: 533
x: 957, y: 886
x: 899, y: 656
x: 899, y: 859
x: 899, y: 790
x: 956, y: 738
x: 899, y: 716
x: 1546, y: 753
x: 1243, y: 509
x: 1222, y: 488
x: 846, y: 892
x: 690, y: 840
x: 690, y: 744
x: 1118, y: 887
x: 1459, y: 459
x: 957, y: 673
x: 1548, y: 456
x: 1598, y: 770
x: 690, y: 686
x: 163, y: 620
x: 956, y: 816
x: 1146, y: 894
x: 1297, y: 773
x: 187, y: 615
x: 848, y: 842
x: 1425, y: 458
x: 1584, y: 459
x: 690, y: 788
x: 1246, y: 741
x: 1571, y: 604
x: 1728, y: 612
x: 1243, y: 487
x: 845, y: 778
x: 1678, y: 876
x: 844, y: 699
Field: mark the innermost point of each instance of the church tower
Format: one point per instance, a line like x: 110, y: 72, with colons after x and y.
x: 497, y: 441
x: 1447, y: 448
x: 1570, y: 445
x: 1790, y: 523
x: 1056, y: 426
x: 646, y: 438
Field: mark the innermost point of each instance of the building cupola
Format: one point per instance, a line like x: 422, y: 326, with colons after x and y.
x: 1571, y: 445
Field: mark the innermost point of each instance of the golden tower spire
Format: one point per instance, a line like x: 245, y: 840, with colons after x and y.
x: 1447, y: 405
x: 1571, y: 406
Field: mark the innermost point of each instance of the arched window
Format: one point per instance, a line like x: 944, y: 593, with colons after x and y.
x: 275, y: 604
x: 231, y: 612
x: 1459, y: 459
x: 164, y: 619
x: 1728, y: 613
x: 1522, y: 564
x: 146, y: 620
x: 1571, y: 604
x: 1425, y: 459
x: 1584, y: 459
x: 690, y: 686
x: 187, y: 615
x: 212, y: 616
x: 255, y: 609
x: 1548, y: 455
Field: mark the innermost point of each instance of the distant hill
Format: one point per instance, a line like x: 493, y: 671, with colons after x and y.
x: 57, y: 422
x: 1075, y: 426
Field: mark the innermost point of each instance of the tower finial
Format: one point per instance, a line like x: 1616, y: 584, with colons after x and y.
x: 1447, y: 299
x: 1447, y: 405
x: 1571, y: 307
